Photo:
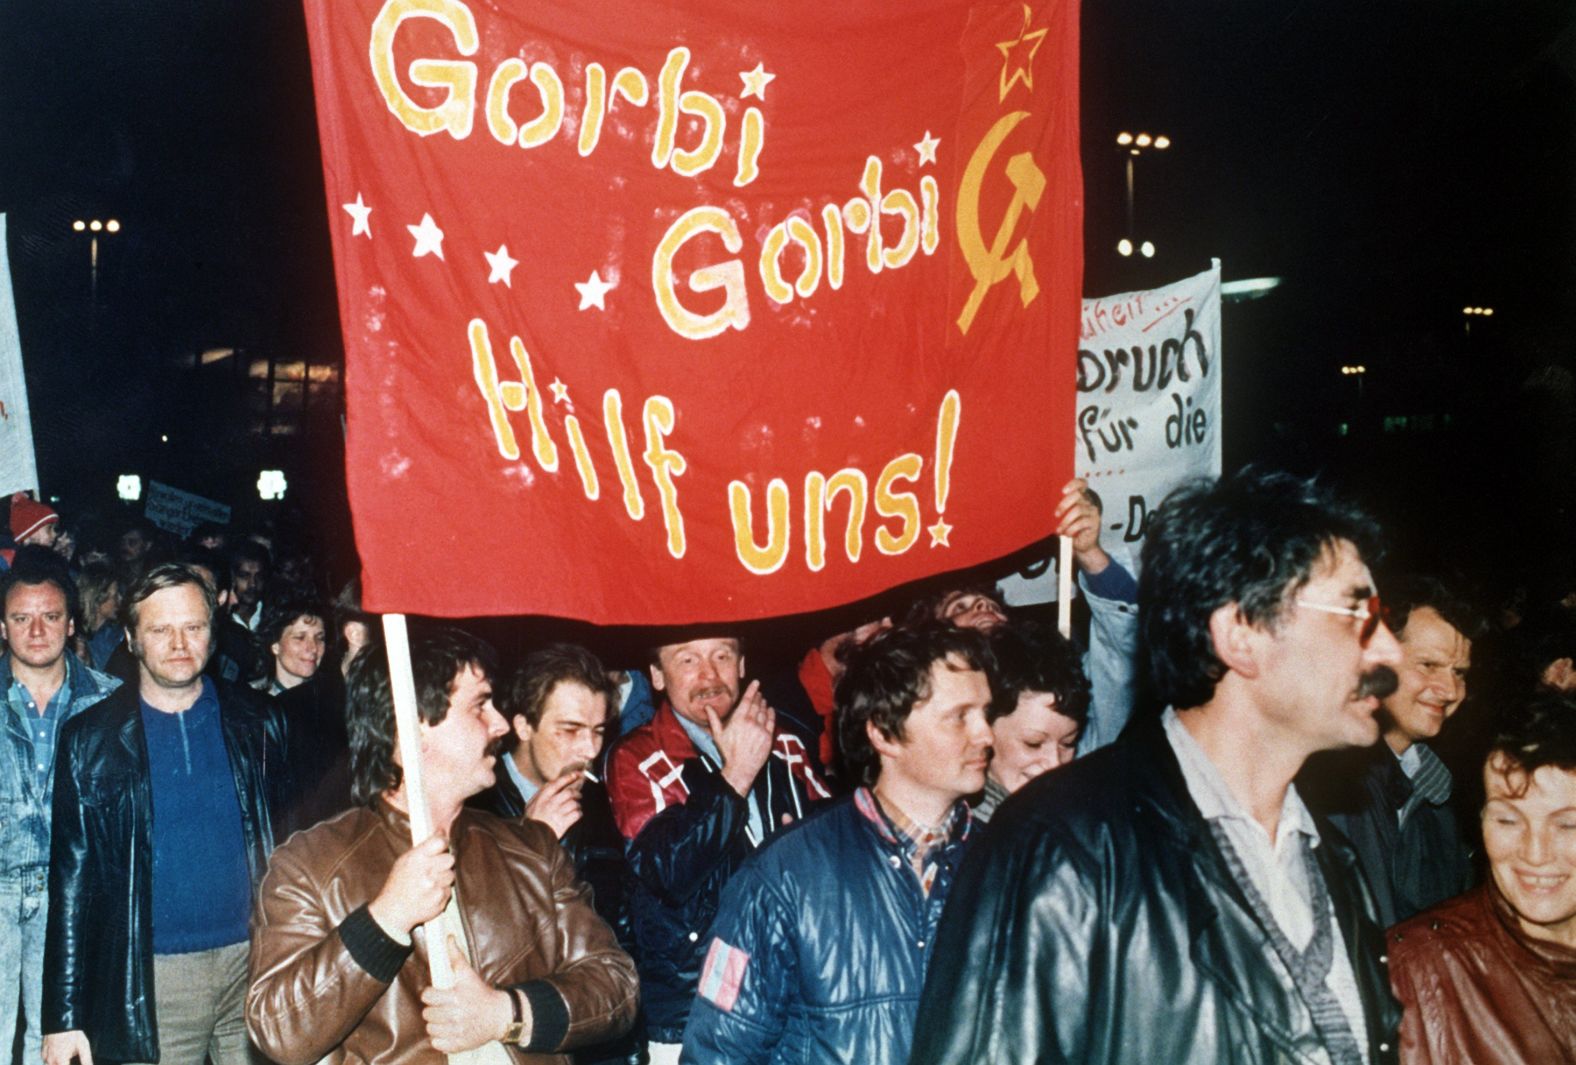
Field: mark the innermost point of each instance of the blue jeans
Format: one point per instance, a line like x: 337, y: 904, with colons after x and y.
x: 24, y: 910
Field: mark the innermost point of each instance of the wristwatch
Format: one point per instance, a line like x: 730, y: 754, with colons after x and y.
x: 516, y: 1027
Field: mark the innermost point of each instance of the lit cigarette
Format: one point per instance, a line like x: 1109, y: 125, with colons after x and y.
x: 586, y: 774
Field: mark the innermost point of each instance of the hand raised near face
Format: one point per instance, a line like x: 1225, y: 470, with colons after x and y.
x: 557, y: 805
x: 745, y: 739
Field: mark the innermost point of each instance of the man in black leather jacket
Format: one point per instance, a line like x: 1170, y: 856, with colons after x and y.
x: 558, y: 704
x: 165, y: 805
x: 1169, y: 898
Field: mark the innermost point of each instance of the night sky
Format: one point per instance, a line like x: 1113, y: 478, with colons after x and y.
x: 1392, y: 162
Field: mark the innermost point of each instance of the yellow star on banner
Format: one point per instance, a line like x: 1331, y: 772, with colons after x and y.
x: 927, y: 149
x: 559, y: 390
x: 939, y: 533
x: 1022, y: 70
x: 755, y: 82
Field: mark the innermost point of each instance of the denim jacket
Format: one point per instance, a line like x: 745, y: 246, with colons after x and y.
x: 1111, y: 665
x: 24, y: 807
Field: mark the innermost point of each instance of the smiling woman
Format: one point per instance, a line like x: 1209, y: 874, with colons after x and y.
x: 1497, y: 966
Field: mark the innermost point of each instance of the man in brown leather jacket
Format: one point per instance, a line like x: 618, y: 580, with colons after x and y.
x: 337, y: 967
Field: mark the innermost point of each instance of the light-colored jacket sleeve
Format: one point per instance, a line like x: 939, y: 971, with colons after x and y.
x: 1111, y: 664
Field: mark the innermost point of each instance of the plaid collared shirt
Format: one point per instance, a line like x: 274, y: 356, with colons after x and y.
x: 920, y: 845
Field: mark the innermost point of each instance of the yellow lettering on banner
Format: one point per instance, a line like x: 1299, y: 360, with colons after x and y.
x: 832, y: 221
x: 544, y: 127
x: 485, y: 371
x: 757, y: 559
x: 596, y: 107
x: 930, y: 197
x: 992, y: 265
x: 668, y: 106
x: 541, y: 444
x: 499, y: 124
x: 904, y: 505
x: 728, y: 276
x: 750, y: 144
x: 665, y: 464
x: 456, y: 112
x: 946, y: 437
x: 688, y: 162
x: 613, y: 418
x: 819, y: 491
x: 800, y: 231
x: 870, y: 185
x: 583, y: 464
x: 628, y: 83
x: 901, y: 203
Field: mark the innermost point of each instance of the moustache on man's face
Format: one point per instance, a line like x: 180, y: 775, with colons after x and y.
x: 1379, y: 682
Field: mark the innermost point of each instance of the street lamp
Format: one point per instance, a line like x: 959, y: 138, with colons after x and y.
x: 1469, y: 313
x: 1135, y: 145
x: 95, y: 226
x: 1358, y: 371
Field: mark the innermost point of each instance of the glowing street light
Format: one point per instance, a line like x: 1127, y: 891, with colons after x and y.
x: 1135, y: 145
x: 95, y: 226
x: 129, y: 487
x: 271, y: 484
x: 1469, y: 313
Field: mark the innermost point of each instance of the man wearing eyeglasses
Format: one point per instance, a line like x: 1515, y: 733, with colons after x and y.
x: 1169, y: 897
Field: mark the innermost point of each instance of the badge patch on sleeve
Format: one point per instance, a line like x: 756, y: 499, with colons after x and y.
x: 723, y: 974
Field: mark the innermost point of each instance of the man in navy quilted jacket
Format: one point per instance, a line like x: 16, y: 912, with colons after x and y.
x: 819, y: 950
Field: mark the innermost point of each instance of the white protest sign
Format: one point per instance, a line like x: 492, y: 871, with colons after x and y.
x: 1149, y: 374
x: 180, y: 512
x: 18, y: 465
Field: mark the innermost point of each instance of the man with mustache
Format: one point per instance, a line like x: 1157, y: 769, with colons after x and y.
x: 1169, y: 898
x: 695, y: 790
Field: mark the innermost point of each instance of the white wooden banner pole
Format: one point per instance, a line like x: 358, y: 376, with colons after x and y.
x: 1064, y: 586
x: 402, y: 684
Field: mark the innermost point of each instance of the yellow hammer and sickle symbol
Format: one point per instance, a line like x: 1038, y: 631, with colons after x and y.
x: 992, y: 265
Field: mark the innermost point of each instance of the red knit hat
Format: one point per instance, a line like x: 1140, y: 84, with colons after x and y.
x: 28, y: 515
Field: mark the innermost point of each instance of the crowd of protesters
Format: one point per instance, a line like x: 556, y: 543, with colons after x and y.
x: 1278, y: 799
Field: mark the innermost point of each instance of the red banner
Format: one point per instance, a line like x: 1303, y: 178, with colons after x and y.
x: 663, y: 312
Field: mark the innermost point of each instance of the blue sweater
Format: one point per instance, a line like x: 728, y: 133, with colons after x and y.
x: 201, y: 883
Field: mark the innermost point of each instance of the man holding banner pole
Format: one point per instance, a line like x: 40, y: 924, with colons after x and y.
x: 336, y: 961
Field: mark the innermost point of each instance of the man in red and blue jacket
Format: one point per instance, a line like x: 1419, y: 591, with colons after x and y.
x: 694, y: 792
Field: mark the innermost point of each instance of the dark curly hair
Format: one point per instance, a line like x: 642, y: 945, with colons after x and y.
x: 1034, y: 657
x: 1251, y: 538
x: 887, y: 677
x: 438, y: 656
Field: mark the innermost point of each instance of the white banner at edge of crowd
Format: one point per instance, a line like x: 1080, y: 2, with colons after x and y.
x: 18, y: 464
x: 1141, y: 427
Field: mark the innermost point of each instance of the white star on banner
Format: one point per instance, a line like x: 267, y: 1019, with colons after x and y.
x: 429, y: 238
x: 927, y: 149
x: 755, y: 82
x: 361, y: 214
x: 939, y: 533
x: 593, y: 291
x: 560, y: 391
x: 502, y: 265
